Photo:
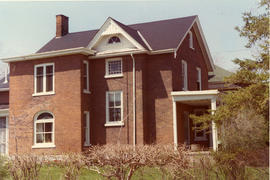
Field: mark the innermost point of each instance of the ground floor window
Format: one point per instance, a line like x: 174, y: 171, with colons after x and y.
x: 114, y: 107
x: 3, y: 134
x: 86, y: 128
x: 44, y: 129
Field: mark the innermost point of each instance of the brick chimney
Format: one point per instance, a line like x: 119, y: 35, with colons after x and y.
x: 61, y: 25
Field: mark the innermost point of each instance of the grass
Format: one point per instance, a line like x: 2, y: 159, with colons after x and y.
x: 56, y: 173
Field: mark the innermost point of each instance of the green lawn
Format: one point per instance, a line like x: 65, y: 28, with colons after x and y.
x: 56, y: 173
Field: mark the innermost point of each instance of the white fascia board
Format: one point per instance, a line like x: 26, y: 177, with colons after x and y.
x: 122, y: 31
x: 4, y: 89
x: 80, y: 50
x: 205, y: 44
x: 178, y: 96
x: 195, y: 93
x: 203, y: 38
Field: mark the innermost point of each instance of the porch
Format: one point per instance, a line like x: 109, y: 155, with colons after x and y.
x: 193, y: 102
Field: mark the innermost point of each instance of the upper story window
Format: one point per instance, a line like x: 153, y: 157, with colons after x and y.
x: 114, y: 67
x: 114, y: 108
x: 44, y: 79
x: 113, y: 40
x: 184, y: 76
x: 44, y: 130
x: 199, y: 79
x: 190, y: 40
x: 86, y: 77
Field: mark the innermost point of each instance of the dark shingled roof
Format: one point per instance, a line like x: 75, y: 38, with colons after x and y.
x: 164, y: 34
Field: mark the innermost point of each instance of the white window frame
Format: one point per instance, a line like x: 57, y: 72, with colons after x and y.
x: 87, y: 129
x: 107, y: 61
x: 199, y: 77
x: 44, y: 145
x: 191, y: 40
x: 203, y: 137
x: 4, y: 113
x: 115, y: 123
x: 185, y: 83
x: 44, y: 80
x: 87, y: 77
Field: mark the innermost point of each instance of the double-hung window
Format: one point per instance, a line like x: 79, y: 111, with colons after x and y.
x: 86, y: 128
x: 199, y: 79
x: 114, y: 67
x: 184, y: 76
x: 44, y: 79
x: 114, y: 108
x: 86, y: 77
x: 44, y: 130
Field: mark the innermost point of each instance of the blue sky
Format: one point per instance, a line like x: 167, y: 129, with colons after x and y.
x: 27, y: 26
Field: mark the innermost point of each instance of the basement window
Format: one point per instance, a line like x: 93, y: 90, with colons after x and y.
x: 44, y: 79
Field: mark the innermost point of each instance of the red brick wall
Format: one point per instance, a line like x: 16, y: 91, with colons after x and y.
x: 194, y: 58
x: 65, y: 104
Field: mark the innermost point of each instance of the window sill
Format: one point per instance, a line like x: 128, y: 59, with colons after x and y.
x: 86, y: 145
x: 86, y: 91
x: 114, y: 124
x: 192, y: 48
x: 114, y: 76
x: 43, y: 94
x: 41, y: 146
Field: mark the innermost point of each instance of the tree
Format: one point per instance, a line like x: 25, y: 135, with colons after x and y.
x: 247, y: 106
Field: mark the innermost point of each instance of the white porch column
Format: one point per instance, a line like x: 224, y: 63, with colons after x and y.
x: 214, y: 128
x: 175, y: 140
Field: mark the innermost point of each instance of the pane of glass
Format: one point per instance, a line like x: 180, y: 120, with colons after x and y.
x: 117, y: 114
x: 48, y: 137
x: 115, y: 67
x: 40, y: 127
x: 39, y: 87
x: 49, y: 69
x: 111, y: 100
x: 84, y: 69
x: 111, y: 114
x: 49, y: 83
x: 39, y: 71
x: 45, y: 116
x: 118, y: 99
x: 40, y: 138
x: 48, y: 127
x: 85, y: 82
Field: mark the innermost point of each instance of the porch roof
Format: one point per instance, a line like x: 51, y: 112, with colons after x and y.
x: 179, y: 96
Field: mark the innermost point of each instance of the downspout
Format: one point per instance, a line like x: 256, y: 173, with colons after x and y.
x: 134, y: 100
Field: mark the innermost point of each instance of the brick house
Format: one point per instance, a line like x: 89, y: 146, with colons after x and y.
x: 129, y: 84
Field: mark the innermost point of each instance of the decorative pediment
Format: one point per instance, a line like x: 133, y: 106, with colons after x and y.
x: 111, y: 38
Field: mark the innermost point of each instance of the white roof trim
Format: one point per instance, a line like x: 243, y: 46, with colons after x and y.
x: 203, y: 38
x: 194, y: 95
x: 4, y: 112
x: 122, y: 31
x: 79, y: 50
x: 4, y: 89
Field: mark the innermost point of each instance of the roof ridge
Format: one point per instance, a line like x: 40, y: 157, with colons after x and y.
x: 162, y: 20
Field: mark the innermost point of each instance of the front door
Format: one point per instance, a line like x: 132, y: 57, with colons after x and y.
x: 186, y: 128
x: 3, y: 135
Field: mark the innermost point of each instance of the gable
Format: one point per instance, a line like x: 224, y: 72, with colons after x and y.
x: 109, y: 29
